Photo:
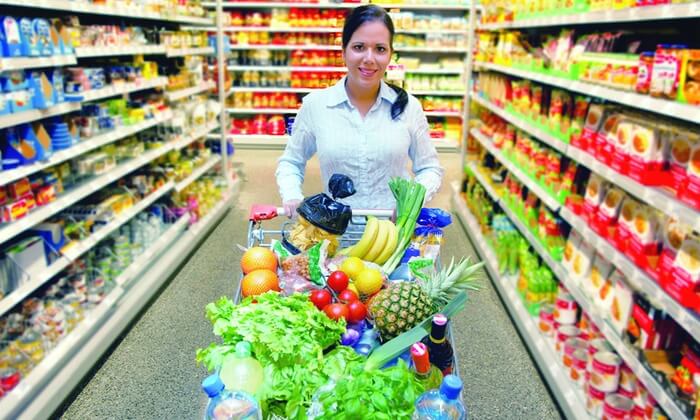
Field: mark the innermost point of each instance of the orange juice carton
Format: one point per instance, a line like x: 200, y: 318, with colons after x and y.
x: 649, y: 150
x: 570, y: 250
x: 594, y: 196
x: 666, y: 71
x: 600, y: 270
x: 686, y: 273
x: 608, y: 212
x: 603, y: 148
x: 689, y: 82
x: 682, y: 141
x: 691, y: 193
x: 644, y: 242
x: 673, y: 233
x: 620, y: 308
x: 621, y: 140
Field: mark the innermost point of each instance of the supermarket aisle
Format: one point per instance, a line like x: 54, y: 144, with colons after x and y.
x: 152, y: 374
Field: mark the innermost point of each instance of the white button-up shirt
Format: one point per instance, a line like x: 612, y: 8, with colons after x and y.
x: 370, y: 151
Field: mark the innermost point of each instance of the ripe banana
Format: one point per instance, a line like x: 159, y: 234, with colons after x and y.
x: 391, y: 242
x: 368, y: 238
x: 380, y: 242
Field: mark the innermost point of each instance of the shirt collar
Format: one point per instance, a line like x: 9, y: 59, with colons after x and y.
x: 338, y: 94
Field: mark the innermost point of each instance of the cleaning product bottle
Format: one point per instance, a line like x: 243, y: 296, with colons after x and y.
x: 240, y: 371
x: 428, y: 374
x: 226, y: 405
x: 440, y: 350
x: 443, y: 403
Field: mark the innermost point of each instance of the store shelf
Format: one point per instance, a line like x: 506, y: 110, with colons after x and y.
x: 570, y: 399
x: 638, y: 277
x: 76, y: 250
x: 327, y: 5
x: 261, y: 111
x: 656, y: 197
x: 21, y: 63
x: 85, y: 7
x: 306, y: 47
x: 119, y: 89
x: 36, y: 216
x: 289, y: 68
x: 264, y: 141
x: 197, y: 134
x: 548, y: 200
x: 436, y: 31
x: 214, y: 215
x: 198, y: 172
x: 438, y: 93
x: 488, y: 187
x: 269, y: 29
x: 446, y: 145
x: 271, y: 89
x: 521, y: 124
x: 633, y: 14
x: 185, y: 93
x: 182, y: 52
x: 437, y: 50
x: 83, y: 147
x: 89, y: 52
x: 459, y: 70
x: 14, y: 402
x: 454, y: 114
x: 10, y: 120
x: 645, y: 102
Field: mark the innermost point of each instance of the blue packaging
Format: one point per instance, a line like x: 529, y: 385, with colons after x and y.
x: 30, y: 46
x: 42, y: 30
x: 11, y: 37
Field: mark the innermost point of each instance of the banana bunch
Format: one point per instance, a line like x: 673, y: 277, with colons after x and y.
x: 378, y: 242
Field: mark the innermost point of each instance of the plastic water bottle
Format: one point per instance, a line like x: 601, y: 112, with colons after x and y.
x: 240, y: 371
x: 226, y: 405
x: 443, y: 403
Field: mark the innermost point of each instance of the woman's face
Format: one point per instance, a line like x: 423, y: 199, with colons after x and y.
x: 368, y: 54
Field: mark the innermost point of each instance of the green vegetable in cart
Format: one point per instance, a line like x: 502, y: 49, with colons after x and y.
x: 410, y: 196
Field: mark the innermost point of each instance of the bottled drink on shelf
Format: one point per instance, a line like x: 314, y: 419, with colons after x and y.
x: 227, y: 405
x: 240, y: 371
x: 443, y: 403
x: 428, y: 374
x: 439, y: 348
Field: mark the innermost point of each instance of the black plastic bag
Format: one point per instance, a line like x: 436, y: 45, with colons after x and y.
x: 324, y: 212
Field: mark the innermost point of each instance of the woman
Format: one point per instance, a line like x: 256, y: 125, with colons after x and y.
x: 361, y: 127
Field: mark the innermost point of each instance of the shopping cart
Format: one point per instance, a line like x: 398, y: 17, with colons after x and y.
x: 259, y: 236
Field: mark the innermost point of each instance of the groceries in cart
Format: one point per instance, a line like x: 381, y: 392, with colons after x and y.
x: 359, y: 330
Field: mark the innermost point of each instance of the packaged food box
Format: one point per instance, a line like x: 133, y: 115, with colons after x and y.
x: 665, y: 73
x: 686, y: 272
x: 583, y: 259
x: 649, y: 150
x: 682, y: 142
x: 644, y: 71
x: 600, y: 270
x: 595, y: 193
x: 625, y: 223
x: 603, y: 148
x: 644, y: 243
x: 643, y: 326
x: 608, y: 212
x: 570, y: 250
x: 691, y: 194
x: 621, y: 140
x: 594, y: 120
x: 621, y: 305
x: 689, y: 81
x: 673, y: 233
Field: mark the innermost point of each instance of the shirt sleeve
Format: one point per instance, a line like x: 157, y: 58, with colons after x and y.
x: 426, y: 165
x: 291, y: 166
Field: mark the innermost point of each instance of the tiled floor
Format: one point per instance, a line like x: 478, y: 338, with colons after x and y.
x: 152, y: 374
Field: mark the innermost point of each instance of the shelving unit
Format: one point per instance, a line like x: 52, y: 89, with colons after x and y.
x: 328, y: 5
x: 55, y: 377
x: 264, y: 141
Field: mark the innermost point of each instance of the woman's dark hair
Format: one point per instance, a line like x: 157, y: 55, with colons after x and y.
x: 373, y: 13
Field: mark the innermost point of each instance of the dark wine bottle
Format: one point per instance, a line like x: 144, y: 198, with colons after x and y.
x: 439, y: 348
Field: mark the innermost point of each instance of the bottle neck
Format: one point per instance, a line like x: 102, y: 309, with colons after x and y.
x: 437, y: 333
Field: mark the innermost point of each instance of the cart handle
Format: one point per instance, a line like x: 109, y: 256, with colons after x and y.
x: 260, y: 212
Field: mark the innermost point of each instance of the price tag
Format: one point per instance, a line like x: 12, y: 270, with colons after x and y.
x: 396, y: 73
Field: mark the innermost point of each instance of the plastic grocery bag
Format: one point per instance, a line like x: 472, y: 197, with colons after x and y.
x: 427, y: 236
x: 325, y: 212
x: 310, y: 264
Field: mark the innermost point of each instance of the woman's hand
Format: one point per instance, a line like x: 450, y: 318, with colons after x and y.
x: 290, y: 208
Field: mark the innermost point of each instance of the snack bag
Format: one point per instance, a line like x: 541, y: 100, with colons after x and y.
x: 310, y: 264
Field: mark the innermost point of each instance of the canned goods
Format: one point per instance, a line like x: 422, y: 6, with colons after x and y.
x: 628, y: 380
x: 617, y: 407
x: 594, y: 346
x: 577, y: 373
x: 605, y: 372
x: 566, y: 309
x: 570, y: 346
x: 564, y: 332
x: 546, y: 323
x: 9, y: 378
x: 595, y: 399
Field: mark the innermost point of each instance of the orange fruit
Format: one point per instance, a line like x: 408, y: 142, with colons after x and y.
x: 257, y: 258
x: 258, y: 282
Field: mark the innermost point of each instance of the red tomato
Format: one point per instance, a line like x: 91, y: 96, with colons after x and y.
x: 336, y: 311
x: 347, y: 296
x: 357, y: 311
x: 338, y: 281
x: 320, y: 298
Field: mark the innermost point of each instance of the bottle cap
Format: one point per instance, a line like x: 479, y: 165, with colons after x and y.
x: 243, y: 349
x: 421, y: 358
x: 212, y: 385
x: 451, y: 387
x: 409, y: 253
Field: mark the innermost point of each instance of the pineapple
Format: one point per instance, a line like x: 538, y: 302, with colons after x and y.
x: 403, y: 305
